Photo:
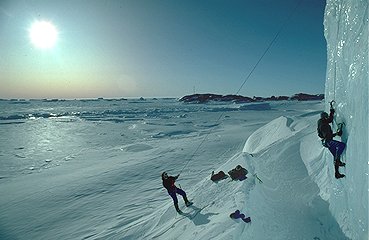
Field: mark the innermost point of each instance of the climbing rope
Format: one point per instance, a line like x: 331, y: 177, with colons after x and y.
x: 336, y: 52
x: 247, y: 78
x: 339, y: 125
x: 331, y: 107
x: 202, y: 142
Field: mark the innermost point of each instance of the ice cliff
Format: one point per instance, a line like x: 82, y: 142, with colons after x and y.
x: 346, y: 32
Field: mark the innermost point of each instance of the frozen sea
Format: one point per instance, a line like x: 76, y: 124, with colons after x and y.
x: 42, y: 134
x: 90, y: 169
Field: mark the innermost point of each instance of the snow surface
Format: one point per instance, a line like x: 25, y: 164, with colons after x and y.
x: 91, y: 169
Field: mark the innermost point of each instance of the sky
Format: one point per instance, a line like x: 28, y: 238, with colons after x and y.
x: 162, y: 48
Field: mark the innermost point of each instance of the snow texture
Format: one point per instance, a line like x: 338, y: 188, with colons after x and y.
x: 94, y: 171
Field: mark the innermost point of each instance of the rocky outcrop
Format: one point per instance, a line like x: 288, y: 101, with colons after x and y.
x: 307, y: 97
x: 203, y: 98
x: 207, y: 97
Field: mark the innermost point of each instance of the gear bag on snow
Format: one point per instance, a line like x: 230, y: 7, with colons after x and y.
x: 218, y: 176
x: 238, y: 173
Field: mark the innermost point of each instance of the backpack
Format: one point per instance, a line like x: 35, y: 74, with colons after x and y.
x: 320, y: 133
x: 219, y: 176
x: 238, y: 173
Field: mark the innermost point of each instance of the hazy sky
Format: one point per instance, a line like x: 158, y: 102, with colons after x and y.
x: 162, y: 48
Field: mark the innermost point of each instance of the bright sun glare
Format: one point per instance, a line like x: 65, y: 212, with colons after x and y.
x: 43, y: 34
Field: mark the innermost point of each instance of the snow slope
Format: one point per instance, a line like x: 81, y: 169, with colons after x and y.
x: 287, y: 193
x: 106, y: 184
x: 285, y: 204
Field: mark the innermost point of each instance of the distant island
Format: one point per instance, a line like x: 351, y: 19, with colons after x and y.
x: 206, y: 97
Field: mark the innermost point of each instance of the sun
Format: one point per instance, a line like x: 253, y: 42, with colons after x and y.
x: 43, y: 34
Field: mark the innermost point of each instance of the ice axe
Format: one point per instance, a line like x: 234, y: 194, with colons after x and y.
x: 331, y: 103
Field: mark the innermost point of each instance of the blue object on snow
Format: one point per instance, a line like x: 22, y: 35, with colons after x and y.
x: 237, y: 214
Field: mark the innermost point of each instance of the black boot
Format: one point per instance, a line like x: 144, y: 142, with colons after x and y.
x: 177, y: 208
x: 337, y: 174
x: 188, y: 203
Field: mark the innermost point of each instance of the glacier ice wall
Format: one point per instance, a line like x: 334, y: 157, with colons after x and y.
x: 346, y: 32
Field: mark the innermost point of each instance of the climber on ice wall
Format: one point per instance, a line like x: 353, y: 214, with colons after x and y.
x: 326, y: 134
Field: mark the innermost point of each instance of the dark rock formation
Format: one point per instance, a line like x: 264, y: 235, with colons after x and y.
x: 307, y: 97
x: 206, y: 97
x: 203, y: 98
